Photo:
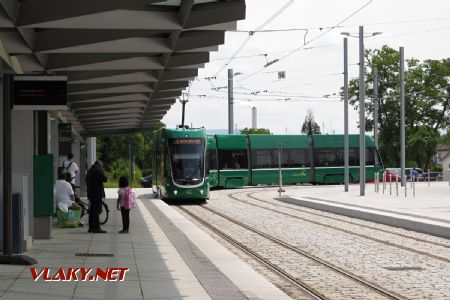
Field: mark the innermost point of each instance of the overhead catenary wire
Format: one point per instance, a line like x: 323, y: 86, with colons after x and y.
x: 416, y: 32
x: 334, y: 27
x: 313, y: 39
x: 285, y: 99
x: 275, y: 52
x: 265, y: 23
x: 343, y: 26
x: 291, y: 51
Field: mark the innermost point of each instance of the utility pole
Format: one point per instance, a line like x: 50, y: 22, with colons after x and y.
x: 362, y: 120
x: 375, y: 106
x: 230, y: 102
x: 346, y: 145
x: 402, y: 115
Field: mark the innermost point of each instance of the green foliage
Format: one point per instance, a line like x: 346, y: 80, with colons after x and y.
x: 421, y: 145
x: 121, y: 167
x: 114, y: 151
x: 427, y: 104
x: 255, y: 131
x: 310, y: 125
x: 437, y: 168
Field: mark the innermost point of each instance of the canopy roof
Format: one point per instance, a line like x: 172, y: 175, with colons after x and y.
x: 126, y: 60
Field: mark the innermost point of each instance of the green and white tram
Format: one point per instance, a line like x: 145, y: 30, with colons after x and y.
x: 239, y: 160
x: 178, y: 164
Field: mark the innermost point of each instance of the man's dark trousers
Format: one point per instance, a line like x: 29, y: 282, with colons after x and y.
x: 95, y: 208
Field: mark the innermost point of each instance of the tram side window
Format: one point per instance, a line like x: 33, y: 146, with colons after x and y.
x: 264, y: 159
x: 353, y: 154
x: 353, y: 157
x: 370, y: 157
x: 233, y: 159
x: 378, y: 161
x: 326, y: 157
x: 285, y: 161
x: 211, y: 161
x: 298, y: 158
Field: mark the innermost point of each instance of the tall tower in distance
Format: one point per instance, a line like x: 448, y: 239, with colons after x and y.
x: 254, y: 118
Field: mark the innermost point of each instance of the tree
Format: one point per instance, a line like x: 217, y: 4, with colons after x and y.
x: 427, y: 103
x: 309, y: 125
x: 255, y: 131
x: 114, y: 151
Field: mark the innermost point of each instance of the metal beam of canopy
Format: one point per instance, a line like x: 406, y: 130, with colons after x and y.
x: 117, y: 70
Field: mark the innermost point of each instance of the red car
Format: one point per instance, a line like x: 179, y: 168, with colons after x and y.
x: 390, y: 176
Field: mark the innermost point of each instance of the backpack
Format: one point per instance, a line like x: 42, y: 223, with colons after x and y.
x: 129, y: 201
x: 62, y: 168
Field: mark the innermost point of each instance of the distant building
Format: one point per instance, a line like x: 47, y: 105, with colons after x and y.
x: 254, y: 118
x: 443, y: 155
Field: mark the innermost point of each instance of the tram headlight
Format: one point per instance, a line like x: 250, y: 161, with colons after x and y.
x: 175, y: 192
x: 201, y: 192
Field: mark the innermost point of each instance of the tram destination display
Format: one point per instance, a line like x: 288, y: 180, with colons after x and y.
x: 39, y: 93
x: 187, y: 141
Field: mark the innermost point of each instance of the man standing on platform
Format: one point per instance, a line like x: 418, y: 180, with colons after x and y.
x: 95, y: 193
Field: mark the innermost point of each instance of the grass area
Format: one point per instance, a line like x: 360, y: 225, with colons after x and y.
x: 114, y: 184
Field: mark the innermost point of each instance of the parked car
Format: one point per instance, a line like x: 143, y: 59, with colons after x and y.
x: 390, y: 175
x: 434, y: 176
x: 146, y: 181
x: 408, y: 171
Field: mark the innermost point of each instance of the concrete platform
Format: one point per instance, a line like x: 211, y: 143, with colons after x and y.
x: 428, y: 212
x: 168, y: 258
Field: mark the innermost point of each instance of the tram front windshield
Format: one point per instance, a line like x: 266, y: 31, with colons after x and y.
x: 187, y: 158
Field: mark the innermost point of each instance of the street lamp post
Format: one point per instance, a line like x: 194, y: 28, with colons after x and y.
x: 362, y: 117
x: 346, y: 145
x: 375, y: 106
x: 230, y: 102
x: 402, y: 115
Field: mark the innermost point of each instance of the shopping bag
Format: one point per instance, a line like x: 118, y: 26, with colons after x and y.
x: 70, y: 219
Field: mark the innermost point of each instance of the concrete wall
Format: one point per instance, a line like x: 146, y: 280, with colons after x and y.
x: 23, y: 151
x: 91, y: 144
x: 76, y: 158
x: 54, y: 144
x: 83, y: 166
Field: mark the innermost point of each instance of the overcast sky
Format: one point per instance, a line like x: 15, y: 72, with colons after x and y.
x: 422, y: 27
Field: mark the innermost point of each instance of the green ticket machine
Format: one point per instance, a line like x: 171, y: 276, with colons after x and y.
x: 43, y: 180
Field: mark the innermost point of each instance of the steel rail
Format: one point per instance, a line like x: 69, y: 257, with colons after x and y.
x: 250, y: 195
x: 331, y: 266
x: 285, y: 275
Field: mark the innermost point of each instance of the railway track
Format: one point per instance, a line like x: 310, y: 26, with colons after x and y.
x: 250, y: 195
x: 312, y: 291
x: 413, y: 250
